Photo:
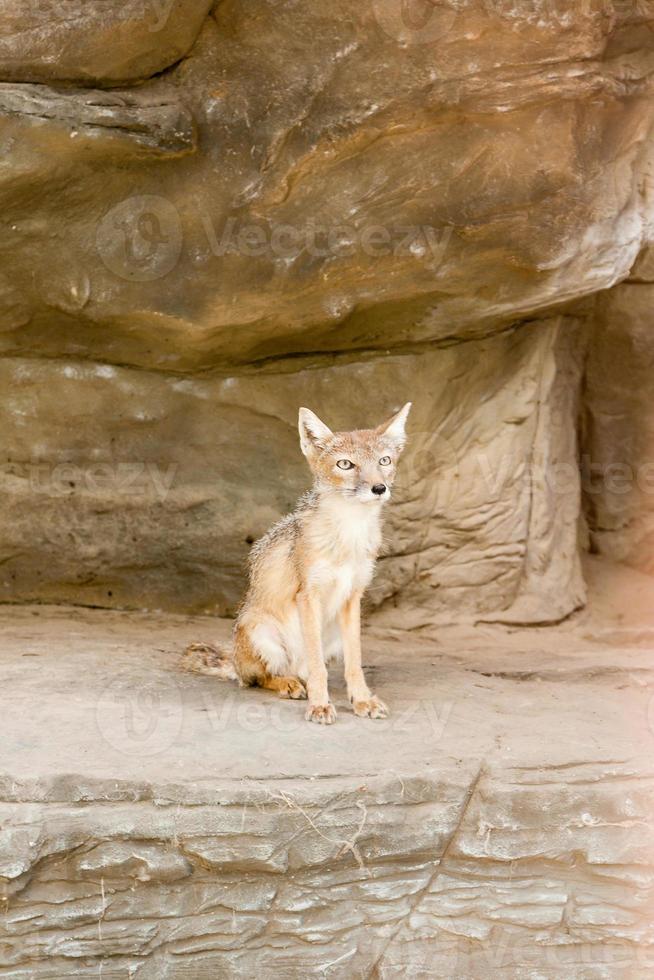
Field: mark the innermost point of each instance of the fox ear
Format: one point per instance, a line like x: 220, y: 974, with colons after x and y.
x: 394, y: 429
x: 313, y: 432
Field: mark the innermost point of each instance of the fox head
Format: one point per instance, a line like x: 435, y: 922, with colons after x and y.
x: 359, y: 465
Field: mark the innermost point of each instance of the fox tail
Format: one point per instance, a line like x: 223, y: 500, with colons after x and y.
x: 202, y: 658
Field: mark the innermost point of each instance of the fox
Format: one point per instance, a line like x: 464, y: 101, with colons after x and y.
x: 307, y: 575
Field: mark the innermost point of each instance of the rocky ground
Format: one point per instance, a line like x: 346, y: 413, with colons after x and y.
x: 161, y: 824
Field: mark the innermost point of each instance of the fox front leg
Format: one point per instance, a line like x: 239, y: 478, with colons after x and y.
x: 320, y: 709
x: 365, y: 704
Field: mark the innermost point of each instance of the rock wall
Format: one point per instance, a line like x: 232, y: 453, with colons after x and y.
x: 96, y: 42
x: 146, y: 490
x: 171, y: 890
x: 210, y: 216
x: 618, y: 438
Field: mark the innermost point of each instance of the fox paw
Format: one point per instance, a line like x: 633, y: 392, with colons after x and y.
x: 293, y: 688
x: 321, y: 714
x: 372, y: 708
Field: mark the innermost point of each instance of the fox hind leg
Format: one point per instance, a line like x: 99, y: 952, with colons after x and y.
x: 253, y: 671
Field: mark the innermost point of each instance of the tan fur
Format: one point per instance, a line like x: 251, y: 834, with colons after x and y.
x: 309, y: 572
x: 202, y: 658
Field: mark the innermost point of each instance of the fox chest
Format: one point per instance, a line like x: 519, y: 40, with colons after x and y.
x: 342, y: 547
x: 336, y: 583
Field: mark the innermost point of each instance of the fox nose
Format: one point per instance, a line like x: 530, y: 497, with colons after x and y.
x: 379, y: 488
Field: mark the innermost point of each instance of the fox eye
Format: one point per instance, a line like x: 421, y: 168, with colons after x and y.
x: 384, y: 461
x: 345, y: 464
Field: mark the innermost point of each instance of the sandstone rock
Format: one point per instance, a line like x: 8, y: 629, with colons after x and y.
x: 356, y: 188
x: 120, y: 860
x: 141, y: 489
x: 167, y: 825
x: 618, y: 444
x: 95, y: 41
x: 333, y: 183
x: 162, y: 124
